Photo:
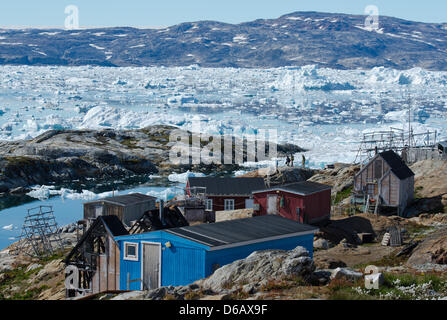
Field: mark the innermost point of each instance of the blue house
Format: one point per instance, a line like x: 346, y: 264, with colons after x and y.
x: 181, y: 256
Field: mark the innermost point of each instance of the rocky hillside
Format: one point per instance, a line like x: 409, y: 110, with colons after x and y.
x: 26, y: 278
x: 282, y: 175
x: 337, y: 41
x: 90, y: 157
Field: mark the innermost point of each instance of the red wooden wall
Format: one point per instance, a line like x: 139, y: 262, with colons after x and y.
x: 313, y: 207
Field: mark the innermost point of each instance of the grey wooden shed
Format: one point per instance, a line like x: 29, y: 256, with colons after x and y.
x: 387, y: 179
x: 127, y: 208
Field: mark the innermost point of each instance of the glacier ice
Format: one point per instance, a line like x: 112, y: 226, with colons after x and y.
x: 319, y: 109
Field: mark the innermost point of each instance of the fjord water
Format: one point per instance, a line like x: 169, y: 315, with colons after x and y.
x: 66, y: 211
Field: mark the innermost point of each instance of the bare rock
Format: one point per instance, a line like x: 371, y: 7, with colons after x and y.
x: 132, y: 295
x: 32, y: 267
x: 433, y: 250
x: 347, y: 274
x: 321, y: 244
x: 261, y: 266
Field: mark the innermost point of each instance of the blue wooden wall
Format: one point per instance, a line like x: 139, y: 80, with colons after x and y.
x: 187, y: 261
x: 181, y: 264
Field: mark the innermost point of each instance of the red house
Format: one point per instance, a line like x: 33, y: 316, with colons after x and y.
x: 223, y: 194
x: 305, y: 202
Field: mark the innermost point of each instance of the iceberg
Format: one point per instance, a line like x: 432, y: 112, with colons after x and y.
x: 183, y: 177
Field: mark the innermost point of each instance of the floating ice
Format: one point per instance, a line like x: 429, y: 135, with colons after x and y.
x: 165, y: 195
x: 8, y: 227
x: 45, y: 192
x: 183, y: 177
x: 320, y: 109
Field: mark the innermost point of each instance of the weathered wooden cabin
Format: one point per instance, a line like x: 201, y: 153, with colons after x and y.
x: 96, y: 257
x: 387, y: 180
x: 127, y: 208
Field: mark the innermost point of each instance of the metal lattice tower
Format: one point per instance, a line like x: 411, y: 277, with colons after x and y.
x: 40, y: 235
x: 379, y: 141
x: 395, y: 139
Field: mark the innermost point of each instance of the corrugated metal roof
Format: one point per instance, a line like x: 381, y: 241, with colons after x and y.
x: 113, y: 225
x: 398, y: 167
x: 227, y: 186
x: 127, y: 199
x: 303, y: 188
x: 243, y: 231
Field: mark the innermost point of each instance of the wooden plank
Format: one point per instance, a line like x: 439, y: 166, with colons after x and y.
x: 103, y: 272
x: 117, y: 267
x: 95, y: 280
x: 111, y: 285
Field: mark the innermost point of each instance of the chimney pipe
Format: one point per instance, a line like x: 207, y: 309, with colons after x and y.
x: 161, y: 208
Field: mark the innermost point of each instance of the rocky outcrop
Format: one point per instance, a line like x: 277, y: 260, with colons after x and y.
x: 341, y: 177
x: 64, y: 156
x: 433, y: 250
x: 246, y: 275
x: 430, y: 178
x: 259, y: 267
x: 346, y: 274
x: 281, y: 175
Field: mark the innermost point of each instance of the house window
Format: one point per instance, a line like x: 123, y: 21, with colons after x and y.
x: 98, y: 210
x: 209, y: 204
x: 130, y: 251
x: 229, y: 204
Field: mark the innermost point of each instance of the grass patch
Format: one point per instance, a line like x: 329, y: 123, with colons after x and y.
x: 17, y: 278
x: 285, y: 284
x: 238, y: 295
x: 387, y: 261
x: 395, y: 287
x: 193, y: 295
x: 414, y: 228
x: 342, y: 195
x: 57, y: 256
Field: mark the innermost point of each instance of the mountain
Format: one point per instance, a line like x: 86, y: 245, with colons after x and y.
x: 336, y: 41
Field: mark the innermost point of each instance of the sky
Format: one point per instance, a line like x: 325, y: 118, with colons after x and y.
x: 163, y: 13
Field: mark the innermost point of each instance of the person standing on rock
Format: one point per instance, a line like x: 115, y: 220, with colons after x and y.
x: 292, y: 158
x: 287, y: 161
x: 303, y: 161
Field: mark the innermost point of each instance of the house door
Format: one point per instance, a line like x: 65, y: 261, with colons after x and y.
x: 272, y: 204
x: 151, y: 265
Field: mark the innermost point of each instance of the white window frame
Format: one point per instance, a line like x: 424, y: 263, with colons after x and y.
x: 228, y: 207
x: 127, y: 257
x: 209, y: 204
